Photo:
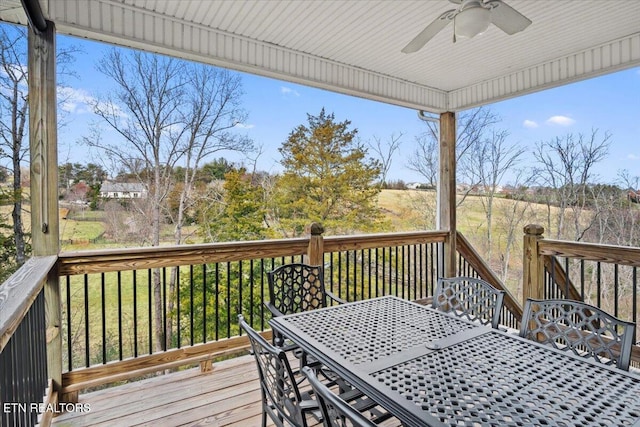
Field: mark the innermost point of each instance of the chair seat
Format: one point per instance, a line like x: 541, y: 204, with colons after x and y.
x: 350, y: 404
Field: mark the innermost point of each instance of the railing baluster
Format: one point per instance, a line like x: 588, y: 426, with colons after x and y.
x: 135, y: 312
x: 119, y: 282
x: 204, y: 303
x: 615, y: 289
x: 191, y: 281
x: 396, y: 269
x: 217, y: 292
x: 369, y: 272
x: 384, y: 266
x: 229, y: 299
x: 150, y: 308
x: 361, y: 264
x: 240, y: 286
x: 177, y: 305
x: 568, y: 281
x: 164, y: 308
x: 69, y: 332
x: 402, y: 270
x: 582, y: 278
x: 340, y: 274
x: 262, y: 296
x: 377, y: 268
x: 553, y: 276
x: 104, y: 318
x: 86, y: 320
x: 599, y: 283
x: 634, y: 298
x: 347, y: 278
x: 251, y: 284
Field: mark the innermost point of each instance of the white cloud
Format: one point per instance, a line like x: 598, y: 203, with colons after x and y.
x: 633, y: 156
x: 560, y: 121
x: 244, y: 126
x: 530, y: 124
x: 288, y: 91
x: 74, y: 100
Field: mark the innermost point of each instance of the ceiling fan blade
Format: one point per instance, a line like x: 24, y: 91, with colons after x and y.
x: 428, y: 33
x: 507, y: 18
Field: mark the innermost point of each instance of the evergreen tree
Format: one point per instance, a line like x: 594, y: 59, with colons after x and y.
x: 328, y: 178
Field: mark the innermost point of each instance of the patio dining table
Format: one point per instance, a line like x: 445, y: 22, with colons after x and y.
x: 429, y: 368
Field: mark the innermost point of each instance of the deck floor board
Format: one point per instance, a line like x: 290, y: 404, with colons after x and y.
x: 229, y: 395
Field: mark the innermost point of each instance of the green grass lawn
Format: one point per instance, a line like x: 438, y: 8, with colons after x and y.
x: 80, y: 230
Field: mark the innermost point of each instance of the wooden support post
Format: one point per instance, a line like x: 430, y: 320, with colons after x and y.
x: 533, y: 264
x: 43, y: 143
x: 447, y: 190
x: 315, y: 252
x: 206, y: 366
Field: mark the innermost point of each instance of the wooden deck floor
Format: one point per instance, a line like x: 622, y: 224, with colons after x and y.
x: 227, y: 396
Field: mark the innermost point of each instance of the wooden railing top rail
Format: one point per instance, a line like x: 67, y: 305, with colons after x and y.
x: 170, y: 256
x: 380, y: 240
x: 99, y: 261
x: 18, y: 293
x: 622, y: 255
x: 486, y: 273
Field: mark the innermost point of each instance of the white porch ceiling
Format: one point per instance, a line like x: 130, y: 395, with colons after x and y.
x: 354, y: 46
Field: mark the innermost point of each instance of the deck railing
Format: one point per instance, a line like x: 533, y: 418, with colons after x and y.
x: 111, y: 314
x: 23, y: 340
x: 602, y: 275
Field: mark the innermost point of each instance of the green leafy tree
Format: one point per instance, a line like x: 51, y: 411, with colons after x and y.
x: 214, y: 170
x: 241, y: 211
x: 328, y: 178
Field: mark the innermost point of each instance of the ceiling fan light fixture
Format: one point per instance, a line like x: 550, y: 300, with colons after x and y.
x: 472, y: 21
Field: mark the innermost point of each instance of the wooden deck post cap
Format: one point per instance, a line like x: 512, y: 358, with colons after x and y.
x: 316, y: 229
x: 534, y: 229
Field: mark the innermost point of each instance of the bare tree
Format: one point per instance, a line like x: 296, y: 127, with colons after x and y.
x: 425, y: 156
x: 384, y: 152
x: 14, y: 108
x: 166, y: 111
x: 472, y: 127
x: 212, y: 111
x: 14, y: 117
x: 566, y: 167
x: 487, y: 165
x: 511, y: 218
x: 618, y: 216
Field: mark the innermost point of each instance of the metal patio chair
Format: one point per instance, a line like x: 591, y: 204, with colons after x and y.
x: 294, y: 288
x: 337, y: 412
x: 579, y: 327
x: 469, y: 298
x: 281, y: 397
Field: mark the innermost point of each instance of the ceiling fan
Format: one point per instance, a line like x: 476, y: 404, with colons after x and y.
x: 471, y: 18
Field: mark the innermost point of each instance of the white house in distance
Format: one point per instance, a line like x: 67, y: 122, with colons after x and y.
x: 123, y: 190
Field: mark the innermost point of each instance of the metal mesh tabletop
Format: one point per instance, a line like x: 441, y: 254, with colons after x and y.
x: 499, y: 380
x: 430, y: 369
x: 374, y: 329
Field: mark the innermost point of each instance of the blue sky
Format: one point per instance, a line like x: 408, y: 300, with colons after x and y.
x: 609, y: 103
